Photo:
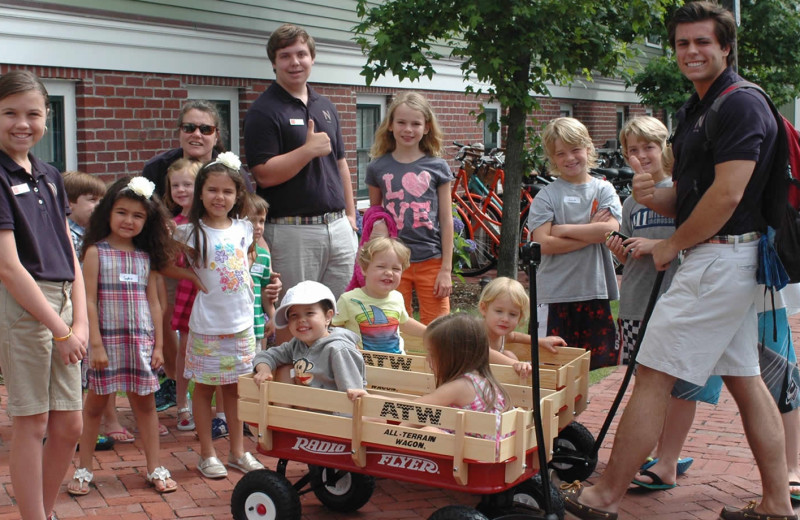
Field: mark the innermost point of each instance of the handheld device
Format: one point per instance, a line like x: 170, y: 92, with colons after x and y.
x: 616, y: 234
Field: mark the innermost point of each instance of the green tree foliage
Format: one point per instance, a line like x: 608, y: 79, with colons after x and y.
x: 515, y: 47
x: 768, y: 54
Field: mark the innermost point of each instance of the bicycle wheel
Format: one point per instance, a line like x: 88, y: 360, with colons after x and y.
x: 484, y: 256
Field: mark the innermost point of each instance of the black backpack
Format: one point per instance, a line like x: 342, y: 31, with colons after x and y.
x: 781, y: 198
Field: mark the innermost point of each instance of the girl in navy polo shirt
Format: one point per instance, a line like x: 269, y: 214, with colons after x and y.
x: 43, y: 321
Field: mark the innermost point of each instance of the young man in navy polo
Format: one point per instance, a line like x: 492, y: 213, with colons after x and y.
x: 294, y: 148
x: 705, y: 324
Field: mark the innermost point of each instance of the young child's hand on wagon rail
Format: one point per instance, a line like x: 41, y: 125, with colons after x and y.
x: 262, y: 373
x: 355, y: 393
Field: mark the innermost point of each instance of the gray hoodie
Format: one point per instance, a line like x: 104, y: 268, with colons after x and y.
x: 332, y: 363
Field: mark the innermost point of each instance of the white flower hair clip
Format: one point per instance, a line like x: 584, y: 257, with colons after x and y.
x: 227, y: 159
x: 142, y: 187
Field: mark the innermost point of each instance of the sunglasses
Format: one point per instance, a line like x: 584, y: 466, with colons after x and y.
x: 189, y: 128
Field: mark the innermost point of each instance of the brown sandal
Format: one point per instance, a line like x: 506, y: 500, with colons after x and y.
x: 748, y: 512
x: 571, y: 492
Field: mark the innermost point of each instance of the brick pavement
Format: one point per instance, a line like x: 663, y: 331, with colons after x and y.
x: 723, y: 473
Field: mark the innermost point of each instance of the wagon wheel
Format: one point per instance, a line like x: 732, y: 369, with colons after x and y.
x: 265, y: 495
x: 529, y: 495
x: 341, y: 490
x: 457, y: 513
x: 573, y: 453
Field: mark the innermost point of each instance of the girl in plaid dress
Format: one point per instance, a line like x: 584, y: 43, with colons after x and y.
x: 126, y: 242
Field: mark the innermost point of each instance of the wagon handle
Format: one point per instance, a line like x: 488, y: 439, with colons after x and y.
x: 531, y: 256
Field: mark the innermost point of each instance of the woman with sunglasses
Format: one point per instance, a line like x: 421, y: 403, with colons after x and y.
x: 199, y: 129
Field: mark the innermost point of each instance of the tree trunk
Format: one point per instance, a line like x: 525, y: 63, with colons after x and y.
x: 508, y: 263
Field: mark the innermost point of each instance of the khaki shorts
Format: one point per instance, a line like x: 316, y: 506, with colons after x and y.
x: 705, y: 324
x: 36, y: 378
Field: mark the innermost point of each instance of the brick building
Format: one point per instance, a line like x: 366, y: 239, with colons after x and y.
x: 119, y: 70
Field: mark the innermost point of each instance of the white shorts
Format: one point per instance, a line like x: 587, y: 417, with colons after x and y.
x: 705, y: 324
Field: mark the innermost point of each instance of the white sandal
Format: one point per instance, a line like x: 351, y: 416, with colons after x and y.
x: 185, y: 425
x: 161, y: 473
x: 81, y: 475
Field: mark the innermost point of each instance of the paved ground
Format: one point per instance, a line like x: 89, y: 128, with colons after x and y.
x: 723, y: 473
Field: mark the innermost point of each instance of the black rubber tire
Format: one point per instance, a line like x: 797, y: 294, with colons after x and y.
x: 269, y: 490
x: 574, y: 440
x: 530, y: 494
x: 350, y: 492
x: 457, y: 513
x: 484, y: 257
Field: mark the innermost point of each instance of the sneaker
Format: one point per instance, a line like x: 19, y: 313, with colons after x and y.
x: 165, y: 395
x: 244, y: 463
x: 103, y: 443
x: 219, y: 428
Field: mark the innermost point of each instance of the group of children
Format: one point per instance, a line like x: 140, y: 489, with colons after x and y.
x: 210, y: 244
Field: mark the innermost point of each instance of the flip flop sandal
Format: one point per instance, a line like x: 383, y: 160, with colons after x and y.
x: 125, y: 436
x: 81, y: 475
x: 794, y: 496
x: 656, y: 485
x: 162, y: 430
x: 683, y: 464
x: 161, y: 473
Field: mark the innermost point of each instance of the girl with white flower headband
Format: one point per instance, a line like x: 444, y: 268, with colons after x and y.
x: 126, y: 242
x: 221, y: 343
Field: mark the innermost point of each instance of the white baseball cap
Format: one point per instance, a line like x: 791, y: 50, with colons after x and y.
x: 304, y: 293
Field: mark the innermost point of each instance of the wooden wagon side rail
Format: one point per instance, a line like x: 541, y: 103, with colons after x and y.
x: 553, y: 367
x: 372, y: 422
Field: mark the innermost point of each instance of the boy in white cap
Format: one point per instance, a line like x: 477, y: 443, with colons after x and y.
x: 316, y: 355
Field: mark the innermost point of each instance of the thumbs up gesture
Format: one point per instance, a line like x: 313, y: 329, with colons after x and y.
x: 317, y: 142
x: 644, y: 187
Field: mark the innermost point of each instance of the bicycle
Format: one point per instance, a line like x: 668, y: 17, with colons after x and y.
x: 479, y: 204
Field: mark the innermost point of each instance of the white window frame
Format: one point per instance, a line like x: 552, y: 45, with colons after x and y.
x: 369, y: 99
x: 567, y: 109
x: 66, y: 89
x: 499, y: 135
x: 230, y: 94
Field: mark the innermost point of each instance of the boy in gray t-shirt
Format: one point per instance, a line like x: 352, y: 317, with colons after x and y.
x: 570, y: 219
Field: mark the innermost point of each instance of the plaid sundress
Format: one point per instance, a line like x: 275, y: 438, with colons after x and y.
x: 125, y: 323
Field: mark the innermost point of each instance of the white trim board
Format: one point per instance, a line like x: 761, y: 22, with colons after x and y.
x: 31, y: 37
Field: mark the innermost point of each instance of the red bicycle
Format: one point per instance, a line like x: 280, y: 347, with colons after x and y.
x: 478, y: 198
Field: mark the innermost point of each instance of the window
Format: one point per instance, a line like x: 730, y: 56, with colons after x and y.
x: 566, y: 110
x: 369, y: 113
x: 622, y: 117
x: 227, y: 102
x: 653, y: 40
x: 58, y: 146
x: 52, y: 147
x: 491, y: 138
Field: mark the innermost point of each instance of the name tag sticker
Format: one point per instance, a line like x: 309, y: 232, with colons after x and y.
x: 569, y: 199
x: 128, y: 277
x: 297, y: 122
x: 19, y: 189
x: 257, y: 269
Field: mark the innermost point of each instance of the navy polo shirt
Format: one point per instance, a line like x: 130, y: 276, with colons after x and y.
x: 746, y: 130
x: 277, y: 123
x: 35, y: 208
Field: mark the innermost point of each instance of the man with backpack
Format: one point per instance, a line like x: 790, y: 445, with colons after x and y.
x: 706, y: 321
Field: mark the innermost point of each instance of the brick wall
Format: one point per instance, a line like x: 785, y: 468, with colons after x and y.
x: 125, y: 118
